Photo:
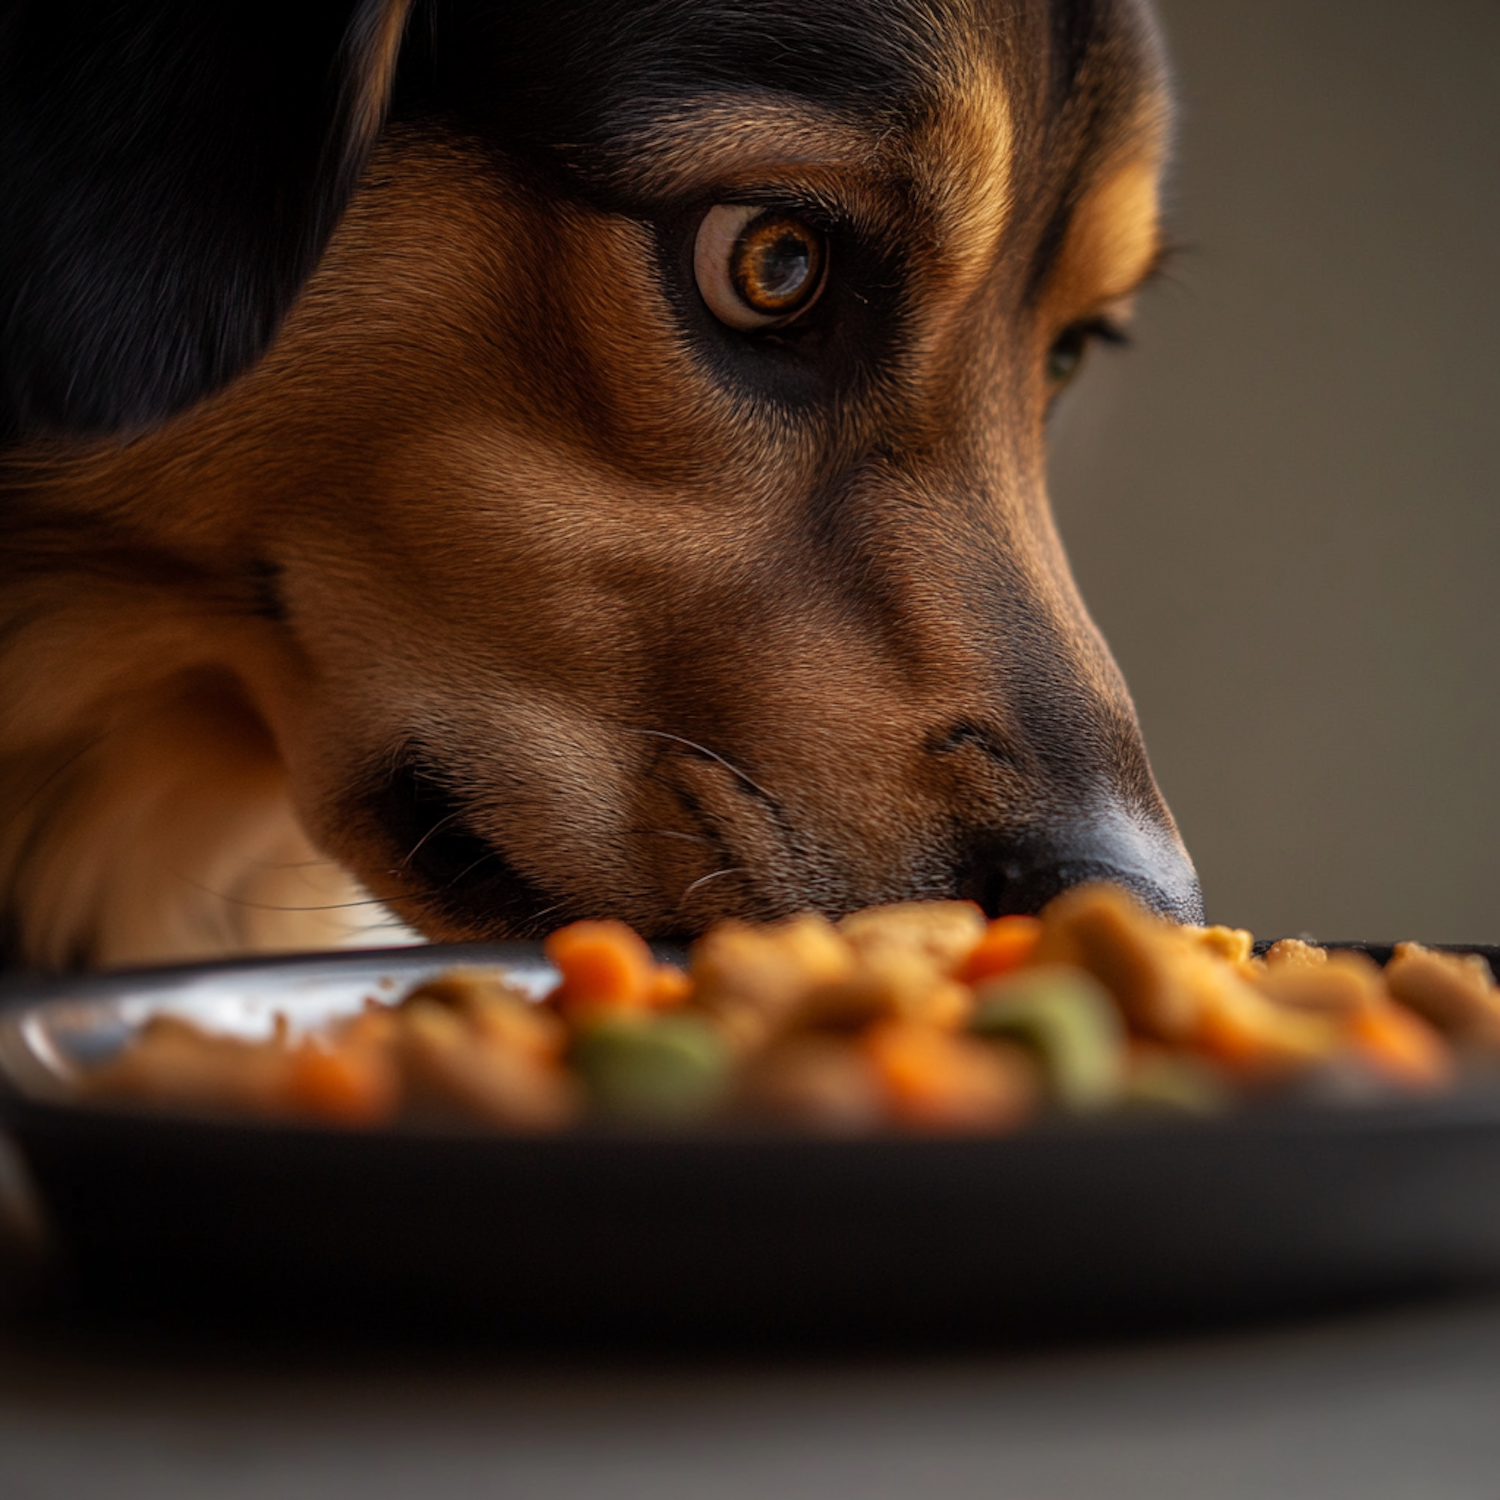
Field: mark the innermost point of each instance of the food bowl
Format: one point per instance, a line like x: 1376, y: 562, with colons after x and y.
x: 735, y: 1231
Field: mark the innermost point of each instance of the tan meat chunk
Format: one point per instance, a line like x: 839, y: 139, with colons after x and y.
x: 455, y: 1069
x: 1136, y: 956
x: 1455, y: 991
x: 1332, y: 985
x: 942, y: 933
x: 1231, y: 943
x: 823, y: 1082
x: 1294, y: 953
x: 750, y: 979
x: 177, y: 1065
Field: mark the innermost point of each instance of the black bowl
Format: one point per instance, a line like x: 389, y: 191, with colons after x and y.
x: 724, y: 1233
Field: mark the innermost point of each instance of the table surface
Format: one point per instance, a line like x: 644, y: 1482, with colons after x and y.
x: 1399, y: 1404
x: 1402, y: 1403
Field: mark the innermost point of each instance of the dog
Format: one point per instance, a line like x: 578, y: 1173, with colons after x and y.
x: 502, y: 463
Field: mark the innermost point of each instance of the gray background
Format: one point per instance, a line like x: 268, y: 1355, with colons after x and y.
x: 1281, y: 504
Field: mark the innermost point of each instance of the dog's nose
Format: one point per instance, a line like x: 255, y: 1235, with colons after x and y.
x: 1020, y: 872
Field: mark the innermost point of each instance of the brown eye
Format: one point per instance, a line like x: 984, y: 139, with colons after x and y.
x: 1066, y: 354
x: 757, y: 267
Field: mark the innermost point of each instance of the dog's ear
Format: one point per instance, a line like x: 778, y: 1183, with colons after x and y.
x: 170, y: 171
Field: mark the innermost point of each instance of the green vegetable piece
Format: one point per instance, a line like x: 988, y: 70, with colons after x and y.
x: 655, y: 1068
x: 1070, y: 1021
x: 1176, y: 1085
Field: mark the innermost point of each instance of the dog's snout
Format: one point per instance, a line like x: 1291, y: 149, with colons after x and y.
x: 1009, y: 873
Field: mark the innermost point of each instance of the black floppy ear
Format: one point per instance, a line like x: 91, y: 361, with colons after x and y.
x: 170, y: 171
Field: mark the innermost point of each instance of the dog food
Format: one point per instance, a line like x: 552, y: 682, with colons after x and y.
x: 922, y: 1017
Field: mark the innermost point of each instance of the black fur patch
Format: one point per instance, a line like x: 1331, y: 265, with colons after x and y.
x: 169, y: 174
x: 268, y: 601
x: 464, y: 876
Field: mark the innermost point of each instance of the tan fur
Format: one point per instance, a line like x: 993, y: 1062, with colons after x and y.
x: 376, y: 72
x: 147, y: 810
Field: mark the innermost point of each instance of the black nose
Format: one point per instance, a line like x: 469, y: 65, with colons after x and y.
x: 1020, y: 872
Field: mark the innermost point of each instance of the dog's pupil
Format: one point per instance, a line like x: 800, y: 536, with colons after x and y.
x: 782, y: 267
x: 1064, y: 356
x: 775, y: 264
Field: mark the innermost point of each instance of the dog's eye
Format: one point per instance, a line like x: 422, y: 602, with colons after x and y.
x: 757, y: 268
x: 1066, y: 354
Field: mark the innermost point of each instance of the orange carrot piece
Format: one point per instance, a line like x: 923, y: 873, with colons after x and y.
x: 936, y: 1080
x: 1003, y: 947
x: 604, y: 965
x: 1252, y: 1037
x: 1222, y: 1037
x: 1401, y: 1046
x: 350, y: 1085
x: 670, y: 988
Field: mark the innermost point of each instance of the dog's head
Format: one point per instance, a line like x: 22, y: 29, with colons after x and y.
x: 644, y: 498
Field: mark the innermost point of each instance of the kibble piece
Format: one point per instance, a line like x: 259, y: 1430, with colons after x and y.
x: 827, y: 1083
x: 465, y: 989
x: 1400, y: 1046
x: 1254, y: 1037
x: 940, y: 933
x: 886, y: 983
x: 1293, y: 953
x: 1151, y: 969
x: 1069, y: 1020
x: 453, y: 1069
x: 495, y: 1010
x: 1456, y: 992
x: 1233, y: 944
x: 1339, y: 984
x: 174, y: 1064
x: 751, y: 978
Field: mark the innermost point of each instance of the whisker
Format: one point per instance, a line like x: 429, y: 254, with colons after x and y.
x: 546, y: 911
x: 672, y: 833
x: 436, y: 828
x: 469, y: 869
x: 244, y: 901
x: 703, y: 880
x: 734, y: 770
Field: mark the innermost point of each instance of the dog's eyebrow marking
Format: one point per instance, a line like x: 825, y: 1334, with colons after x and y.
x: 1113, y: 241
x: 967, y: 162
x: 1123, y: 216
x: 709, y: 143
x: 941, y: 172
